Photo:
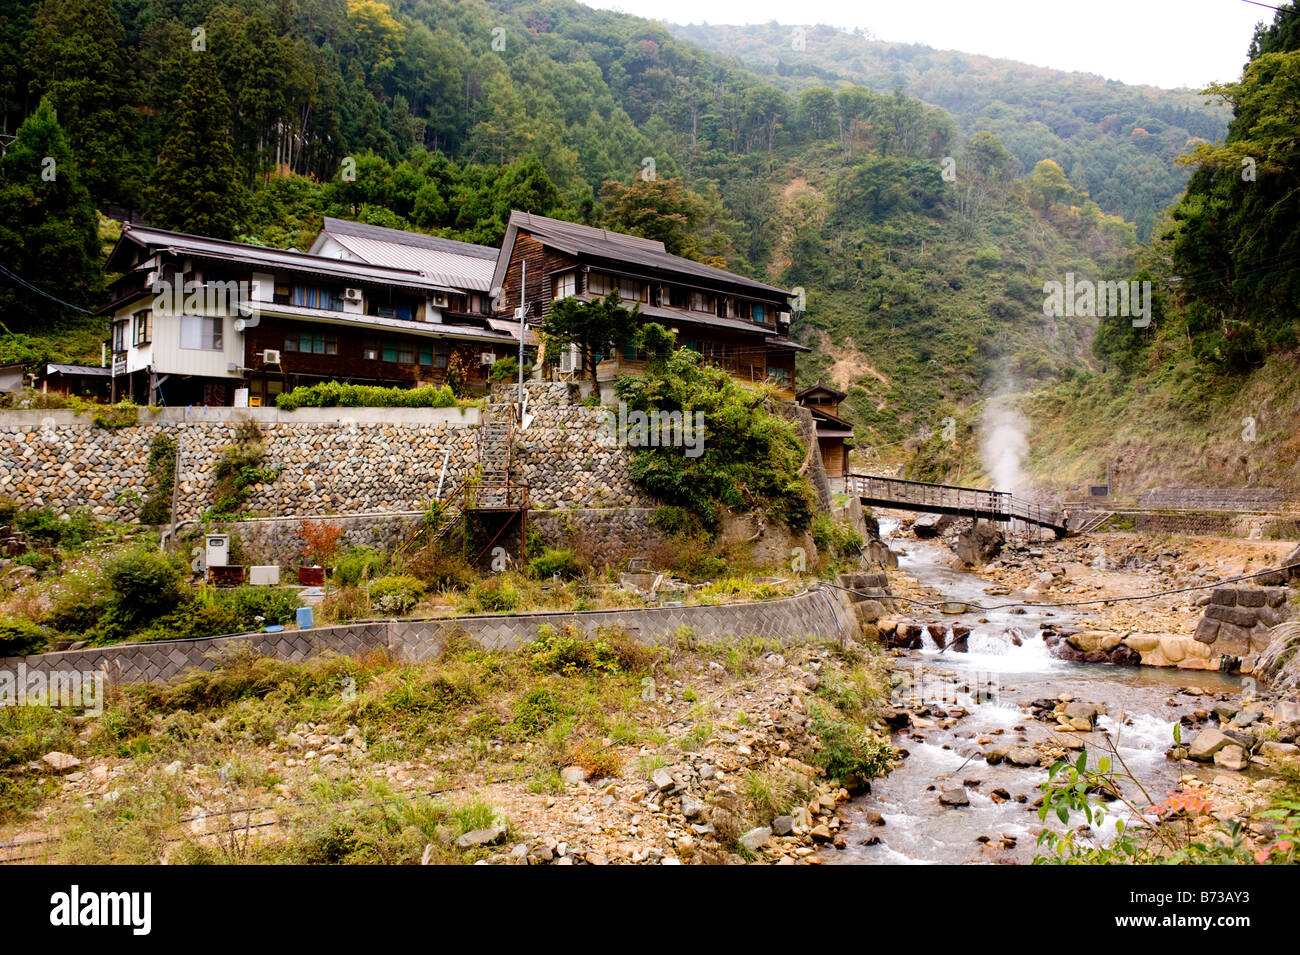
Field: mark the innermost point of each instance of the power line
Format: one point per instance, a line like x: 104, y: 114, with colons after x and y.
x: 32, y: 288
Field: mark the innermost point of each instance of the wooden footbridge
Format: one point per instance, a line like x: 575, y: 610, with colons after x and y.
x: 973, y: 502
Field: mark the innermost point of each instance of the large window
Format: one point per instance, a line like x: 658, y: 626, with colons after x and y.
x: 201, y: 332
x: 632, y: 290
x: 119, y: 336
x: 598, y: 283
x: 779, y: 377
x: 311, y: 343
x: 566, y: 285
x: 315, y: 296
x: 142, y: 327
x: 760, y: 314
x: 701, y: 302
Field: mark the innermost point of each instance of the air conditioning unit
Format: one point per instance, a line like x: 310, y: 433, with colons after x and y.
x: 783, y: 318
x: 440, y: 299
x: 352, y: 294
x: 487, y: 358
x: 569, y: 360
x: 271, y: 356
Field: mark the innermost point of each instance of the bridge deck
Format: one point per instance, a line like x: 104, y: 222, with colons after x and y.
x: 951, y: 499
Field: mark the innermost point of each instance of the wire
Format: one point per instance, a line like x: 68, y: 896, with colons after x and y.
x: 32, y: 288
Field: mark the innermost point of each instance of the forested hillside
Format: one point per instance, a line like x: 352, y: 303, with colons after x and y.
x: 1116, y: 142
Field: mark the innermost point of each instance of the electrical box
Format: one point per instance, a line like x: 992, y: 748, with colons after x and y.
x: 216, y: 550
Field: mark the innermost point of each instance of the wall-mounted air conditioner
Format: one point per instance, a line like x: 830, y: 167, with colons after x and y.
x: 440, y: 299
x: 487, y: 358
x: 271, y: 356
x: 569, y: 360
x: 352, y: 294
x: 783, y: 318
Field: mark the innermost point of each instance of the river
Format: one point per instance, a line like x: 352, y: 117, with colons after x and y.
x: 993, y: 681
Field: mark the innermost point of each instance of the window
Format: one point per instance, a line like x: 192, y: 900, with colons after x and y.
x: 441, y: 356
x: 779, y: 377
x: 598, y: 283
x: 760, y: 315
x: 142, y: 326
x: 313, y: 296
x: 390, y: 350
x: 566, y: 285
x: 403, y: 352
x: 630, y: 290
x: 701, y: 302
x: 311, y: 343
x: 632, y: 353
x: 677, y: 297
x: 370, y: 350
x: 201, y: 332
x: 426, y: 354
x: 119, y: 336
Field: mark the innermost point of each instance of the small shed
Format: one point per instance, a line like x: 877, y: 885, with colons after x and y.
x: 85, y: 381
x: 834, y: 434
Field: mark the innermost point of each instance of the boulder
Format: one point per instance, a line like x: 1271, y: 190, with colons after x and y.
x: 954, y: 796
x: 1207, y: 743
x: 979, y: 544
x: 756, y: 838
x: 1232, y: 757
x: 56, y: 762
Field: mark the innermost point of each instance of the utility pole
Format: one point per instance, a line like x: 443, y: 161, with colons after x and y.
x: 523, y: 324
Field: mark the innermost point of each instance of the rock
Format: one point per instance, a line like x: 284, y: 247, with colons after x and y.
x: 1224, y: 712
x: 481, y: 837
x: 979, y: 544
x: 692, y: 808
x: 171, y: 769
x: 572, y: 774
x: 821, y: 832
x: 874, y: 817
x: 56, y: 762
x: 1245, y: 718
x: 1022, y: 756
x: 783, y: 825
x: 1232, y: 757
x: 954, y: 796
x: 1207, y: 743
x: 1275, y: 750
x: 662, y: 780
x: 756, y: 838
x: 931, y: 525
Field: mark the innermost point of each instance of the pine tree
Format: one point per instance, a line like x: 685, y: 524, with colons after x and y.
x: 48, y: 227
x: 197, y: 186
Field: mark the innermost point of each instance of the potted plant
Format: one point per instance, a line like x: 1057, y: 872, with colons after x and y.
x: 320, y: 544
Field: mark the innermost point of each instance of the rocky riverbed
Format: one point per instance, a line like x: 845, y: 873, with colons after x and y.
x: 984, y: 701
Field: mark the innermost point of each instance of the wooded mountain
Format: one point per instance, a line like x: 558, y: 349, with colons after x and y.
x: 1116, y: 142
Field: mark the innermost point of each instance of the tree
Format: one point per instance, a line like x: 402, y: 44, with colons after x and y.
x: 197, y: 186
x: 665, y: 210
x: 80, y: 59
x: 599, y: 329
x: 48, y: 226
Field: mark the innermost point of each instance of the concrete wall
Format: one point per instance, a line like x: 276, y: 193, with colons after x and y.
x: 816, y: 615
x: 1214, y: 498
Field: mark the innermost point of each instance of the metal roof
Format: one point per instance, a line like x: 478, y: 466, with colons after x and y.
x: 457, y: 264
x: 181, y: 243
x: 55, y: 369
x: 615, y: 246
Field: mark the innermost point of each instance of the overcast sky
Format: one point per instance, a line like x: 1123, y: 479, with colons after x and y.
x: 1162, y: 42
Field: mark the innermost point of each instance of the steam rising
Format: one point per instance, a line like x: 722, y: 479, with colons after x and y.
x: 1003, y: 447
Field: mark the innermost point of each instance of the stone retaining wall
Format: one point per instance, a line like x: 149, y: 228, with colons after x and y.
x: 1214, y: 498
x: 815, y: 614
x: 353, y: 460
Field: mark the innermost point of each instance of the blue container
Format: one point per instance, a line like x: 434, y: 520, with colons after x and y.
x: 304, y: 618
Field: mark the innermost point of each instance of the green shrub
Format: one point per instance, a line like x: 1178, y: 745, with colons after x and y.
x: 493, y: 596
x: 507, y: 369
x: 570, y: 651
x: 143, y: 584
x: 20, y: 637
x: 8, y: 509
x: 849, y: 751
x: 835, y: 539
x: 239, y: 469
x: 157, y: 508
x: 358, y: 565
x: 396, y: 595
x: 332, y: 394
x: 42, y: 524
x: 556, y: 562
x: 275, y: 605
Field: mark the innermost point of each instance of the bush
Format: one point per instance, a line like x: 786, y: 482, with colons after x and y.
x: 42, y: 524
x: 275, y: 605
x: 493, y: 596
x: 358, y: 565
x: 439, y: 570
x: 569, y: 651
x: 144, y: 584
x: 337, y: 394
x: 850, y: 751
x: 396, y: 595
x: 835, y: 539
x: 507, y: 369
x: 346, y: 604
x: 673, y: 521
x: 20, y: 637
x: 157, y: 507
x: 556, y: 562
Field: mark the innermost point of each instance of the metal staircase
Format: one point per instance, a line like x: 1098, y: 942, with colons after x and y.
x: 490, y: 490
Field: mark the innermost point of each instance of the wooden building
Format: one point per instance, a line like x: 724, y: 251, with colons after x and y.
x: 734, y: 322
x: 834, y: 434
x: 196, y: 320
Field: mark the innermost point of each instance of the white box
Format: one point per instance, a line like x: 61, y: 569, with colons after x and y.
x: 264, y: 575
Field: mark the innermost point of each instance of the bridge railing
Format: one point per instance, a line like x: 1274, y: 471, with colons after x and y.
x: 972, y: 500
